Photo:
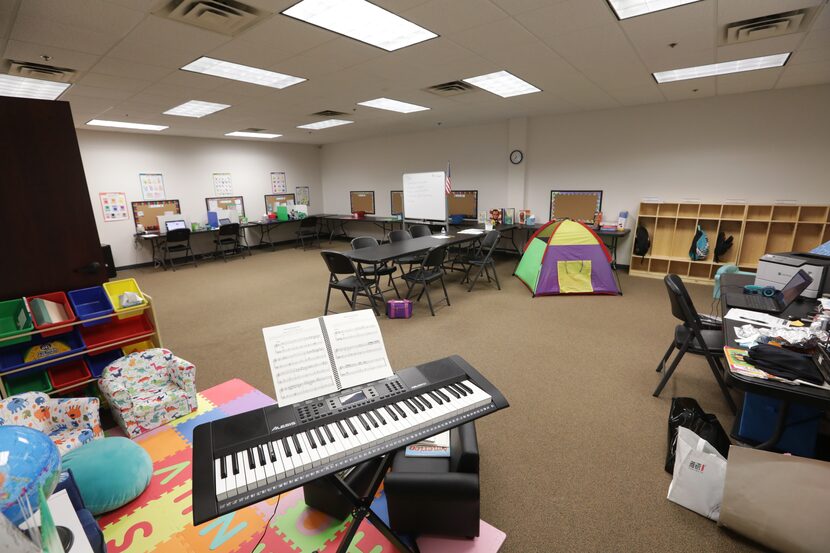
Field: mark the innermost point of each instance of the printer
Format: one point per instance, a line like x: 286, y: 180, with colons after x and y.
x: 776, y: 269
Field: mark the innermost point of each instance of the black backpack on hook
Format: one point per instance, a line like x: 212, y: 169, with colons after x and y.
x: 642, y: 242
x: 722, y: 245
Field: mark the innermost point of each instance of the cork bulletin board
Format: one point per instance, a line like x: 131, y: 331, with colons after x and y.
x: 463, y: 202
x: 147, y: 213
x: 362, y: 200
x: 577, y: 205
x: 273, y: 200
x: 396, y: 200
x: 227, y: 202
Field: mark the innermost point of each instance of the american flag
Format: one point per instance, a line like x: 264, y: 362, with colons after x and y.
x: 448, y: 181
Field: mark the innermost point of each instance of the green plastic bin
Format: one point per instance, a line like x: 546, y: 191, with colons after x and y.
x: 31, y: 382
x: 11, y: 312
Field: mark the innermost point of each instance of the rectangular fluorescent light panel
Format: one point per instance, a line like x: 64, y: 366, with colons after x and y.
x: 503, y: 84
x: 723, y: 68
x: 196, y: 108
x: 392, y: 105
x: 126, y: 125
x: 244, y: 134
x: 361, y: 21
x: 24, y: 87
x: 632, y: 8
x: 325, y: 124
x: 239, y: 72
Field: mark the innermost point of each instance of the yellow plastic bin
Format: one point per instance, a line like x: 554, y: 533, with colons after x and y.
x: 117, y: 287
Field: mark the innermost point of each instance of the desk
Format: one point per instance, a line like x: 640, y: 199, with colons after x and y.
x: 156, y: 239
x: 787, y: 393
x: 265, y: 227
x: 333, y: 222
x: 393, y: 250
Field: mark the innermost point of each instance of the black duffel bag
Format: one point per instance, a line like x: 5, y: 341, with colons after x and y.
x: 784, y: 363
x: 686, y: 412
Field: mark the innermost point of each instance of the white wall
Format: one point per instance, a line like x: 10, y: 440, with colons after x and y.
x: 113, y: 161
x: 761, y: 147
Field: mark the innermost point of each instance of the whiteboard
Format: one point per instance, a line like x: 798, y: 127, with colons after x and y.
x: 424, y: 197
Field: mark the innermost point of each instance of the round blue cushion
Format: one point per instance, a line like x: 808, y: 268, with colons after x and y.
x: 110, y: 472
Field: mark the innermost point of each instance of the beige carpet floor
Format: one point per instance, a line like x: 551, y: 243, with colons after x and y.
x: 575, y: 463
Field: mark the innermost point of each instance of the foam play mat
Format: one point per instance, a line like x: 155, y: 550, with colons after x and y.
x: 160, y: 519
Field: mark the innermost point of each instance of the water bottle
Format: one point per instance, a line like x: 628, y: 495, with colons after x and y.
x: 443, y: 230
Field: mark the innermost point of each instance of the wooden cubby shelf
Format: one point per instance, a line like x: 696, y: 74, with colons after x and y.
x: 756, y: 229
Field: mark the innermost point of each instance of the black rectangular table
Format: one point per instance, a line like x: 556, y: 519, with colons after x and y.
x: 787, y: 393
x: 393, y: 250
x: 335, y: 222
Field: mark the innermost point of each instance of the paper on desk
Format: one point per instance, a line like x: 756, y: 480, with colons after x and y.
x: 754, y: 317
x: 471, y: 231
x: 442, y: 236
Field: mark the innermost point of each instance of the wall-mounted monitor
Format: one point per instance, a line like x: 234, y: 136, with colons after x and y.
x: 577, y: 205
x: 362, y: 200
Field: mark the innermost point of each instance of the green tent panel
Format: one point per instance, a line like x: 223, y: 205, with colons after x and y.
x: 531, y: 263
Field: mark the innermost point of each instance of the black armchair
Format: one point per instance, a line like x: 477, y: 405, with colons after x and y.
x: 437, y: 495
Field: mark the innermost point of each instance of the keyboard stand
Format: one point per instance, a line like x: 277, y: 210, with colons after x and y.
x: 362, y: 508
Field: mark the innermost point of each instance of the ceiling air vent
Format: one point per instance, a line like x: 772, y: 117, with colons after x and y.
x: 329, y: 113
x: 768, y: 26
x: 40, y: 71
x: 228, y: 17
x: 452, y: 88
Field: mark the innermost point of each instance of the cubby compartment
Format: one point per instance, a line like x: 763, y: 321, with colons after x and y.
x: 753, y: 243
x: 689, y: 211
x: 785, y: 213
x: 709, y: 211
x: 758, y: 212
x: 684, y: 232
x: 734, y: 212
x: 711, y: 229
x: 807, y: 237
x: 679, y: 267
x: 638, y: 263
x: 661, y: 238
x: 648, y: 209
x: 826, y: 237
x: 780, y: 238
x: 733, y: 229
x: 700, y: 270
x: 667, y: 210
x: 659, y: 266
x: 812, y: 214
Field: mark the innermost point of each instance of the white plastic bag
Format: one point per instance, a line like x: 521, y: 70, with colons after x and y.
x: 699, y: 475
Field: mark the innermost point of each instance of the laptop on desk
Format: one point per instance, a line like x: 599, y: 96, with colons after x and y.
x: 174, y: 225
x: 223, y: 222
x: 775, y: 304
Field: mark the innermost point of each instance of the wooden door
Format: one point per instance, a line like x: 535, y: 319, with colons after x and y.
x: 49, y: 238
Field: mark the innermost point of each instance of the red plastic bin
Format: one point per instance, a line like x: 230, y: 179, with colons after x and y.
x: 67, y: 374
x: 101, y: 336
x: 57, y: 297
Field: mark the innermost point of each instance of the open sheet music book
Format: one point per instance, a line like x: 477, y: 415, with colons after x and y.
x: 319, y: 356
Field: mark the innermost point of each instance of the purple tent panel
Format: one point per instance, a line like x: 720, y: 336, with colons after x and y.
x: 602, y: 277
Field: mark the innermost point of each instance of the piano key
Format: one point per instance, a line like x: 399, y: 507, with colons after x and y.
x: 250, y: 458
x: 329, y: 432
x: 250, y: 473
x: 310, y: 439
x: 285, y: 448
x: 452, y: 391
x: 241, y: 480
x: 435, y: 397
x: 374, y: 422
x: 271, y: 452
x: 362, y: 418
x: 259, y: 473
x: 313, y: 452
x: 234, y: 465
x: 319, y: 436
x: 261, y: 455
x: 223, y: 467
x: 360, y: 433
x: 425, y: 401
x: 465, y: 386
x: 412, y: 407
x: 282, y: 461
x: 440, y: 392
x: 305, y: 451
x: 297, y: 446
x: 351, y: 425
x: 458, y: 389
x: 342, y: 428
x: 230, y: 480
x: 338, y: 445
x: 399, y: 409
x: 327, y: 450
x: 379, y: 415
x: 221, y: 489
x: 391, y: 410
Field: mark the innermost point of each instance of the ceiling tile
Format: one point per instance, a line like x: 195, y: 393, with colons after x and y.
x: 822, y: 21
x: 123, y: 68
x: 443, y: 16
x: 751, y: 81
x: 192, y: 81
x: 664, y: 60
x: 27, y: 51
x: 809, y: 56
x: 284, y: 37
x: 647, y: 94
x: 738, y: 10
x: 95, y: 92
x: 245, y: 52
x: 755, y: 48
x: 56, y: 34
x: 327, y: 58
x: 687, y: 90
x: 817, y: 38
x: 567, y: 17
x: 110, y: 19
x: 805, y: 74
x: 515, y: 7
x: 124, y: 84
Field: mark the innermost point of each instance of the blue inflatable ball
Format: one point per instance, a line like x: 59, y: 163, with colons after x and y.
x: 28, y: 460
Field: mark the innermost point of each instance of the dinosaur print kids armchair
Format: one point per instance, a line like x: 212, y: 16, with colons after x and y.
x: 149, y: 388
x: 70, y: 422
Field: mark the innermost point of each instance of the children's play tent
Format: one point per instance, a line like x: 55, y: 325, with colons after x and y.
x: 566, y: 257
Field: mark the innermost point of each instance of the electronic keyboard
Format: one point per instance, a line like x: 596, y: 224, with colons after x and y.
x: 249, y: 457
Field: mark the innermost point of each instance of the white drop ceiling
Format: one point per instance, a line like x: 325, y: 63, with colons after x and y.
x: 127, y: 61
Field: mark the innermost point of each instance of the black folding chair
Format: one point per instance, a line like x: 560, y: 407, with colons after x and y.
x: 344, y: 276
x: 431, y: 269
x: 691, y: 337
x: 308, y: 230
x: 417, y: 231
x: 376, y: 272
x: 177, y: 241
x: 227, y: 241
x: 483, y: 259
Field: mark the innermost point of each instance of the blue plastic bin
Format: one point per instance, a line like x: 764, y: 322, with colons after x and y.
x: 12, y: 357
x: 760, y: 415
x: 89, y: 303
x: 97, y: 363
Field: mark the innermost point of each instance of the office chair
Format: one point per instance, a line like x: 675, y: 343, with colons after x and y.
x: 691, y: 337
x: 483, y: 259
x: 177, y: 241
x: 227, y: 240
x: 431, y: 269
x: 339, y: 265
x: 418, y: 231
x: 376, y: 272
x: 308, y: 229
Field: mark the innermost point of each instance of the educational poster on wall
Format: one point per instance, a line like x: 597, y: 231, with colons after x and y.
x: 114, y: 206
x: 278, y: 183
x: 152, y: 186
x: 301, y: 195
x: 222, y: 184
